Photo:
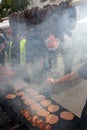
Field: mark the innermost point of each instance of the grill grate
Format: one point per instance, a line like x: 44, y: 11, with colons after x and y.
x: 14, y: 106
x: 13, y: 116
x: 18, y: 105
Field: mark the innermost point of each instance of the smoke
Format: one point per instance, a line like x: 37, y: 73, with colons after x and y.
x: 61, y: 24
x: 59, y: 21
x: 80, y: 31
x: 56, y: 20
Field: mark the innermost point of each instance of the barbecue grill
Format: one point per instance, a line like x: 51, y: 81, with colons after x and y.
x: 13, y: 118
x: 13, y: 108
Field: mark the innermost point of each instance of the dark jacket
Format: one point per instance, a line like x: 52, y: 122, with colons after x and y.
x: 2, y: 52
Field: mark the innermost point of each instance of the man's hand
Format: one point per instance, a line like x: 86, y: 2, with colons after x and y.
x: 48, y: 85
x: 54, y: 85
x: 51, y: 81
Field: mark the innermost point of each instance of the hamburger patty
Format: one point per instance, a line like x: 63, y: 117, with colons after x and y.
x: 35, y: 107
x: 53, y: 108
x: 42, y: 112
x: 10, y: 96
x: 45, y: 103
x: 39, y: 97
x: 52, y: 119
x: 66, y: 115
x: 29, y: 102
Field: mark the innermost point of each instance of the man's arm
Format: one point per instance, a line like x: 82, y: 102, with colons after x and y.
x: 64, y: 81
x: 68, y: 78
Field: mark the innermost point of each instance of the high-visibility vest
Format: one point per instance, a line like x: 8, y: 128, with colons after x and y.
x: 22, y: 52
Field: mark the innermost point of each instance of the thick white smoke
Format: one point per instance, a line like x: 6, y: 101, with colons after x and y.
x: 80, y: 32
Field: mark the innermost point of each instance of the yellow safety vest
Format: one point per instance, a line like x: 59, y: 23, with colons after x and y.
x: 22, y: 52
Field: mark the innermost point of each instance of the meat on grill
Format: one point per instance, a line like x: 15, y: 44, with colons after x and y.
x: 10, y: 96
x: 52, y: 119
x: 27, y: 115
x: 25, y: 111
x: 45, y: 103
x: 39, y: 97
x: 17, y: 87
x: 42, y: 125
x: 35, y: 107
x: 29, y: 101
x: 53, y: 108
x: 42, y: 112
x: 20, y: 93
x: 39, y: 121
x: 33, y: 93
x: 66, y: 115
x: 30, y: 118
x: 24, y: 97
x: 35, y: 118
x: 48, y: 127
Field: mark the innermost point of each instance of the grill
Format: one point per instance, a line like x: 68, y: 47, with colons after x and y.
x: 10, y: 112
x: 12, y: 119
x: 13, y: 107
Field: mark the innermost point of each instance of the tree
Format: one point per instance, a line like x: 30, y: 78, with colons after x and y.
x: 9, y: 6
x: 4, y: 6
x: 18, y: 5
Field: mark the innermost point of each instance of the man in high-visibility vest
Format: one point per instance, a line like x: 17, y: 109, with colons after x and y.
x: 17, y: 51
x: 17, y: 56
